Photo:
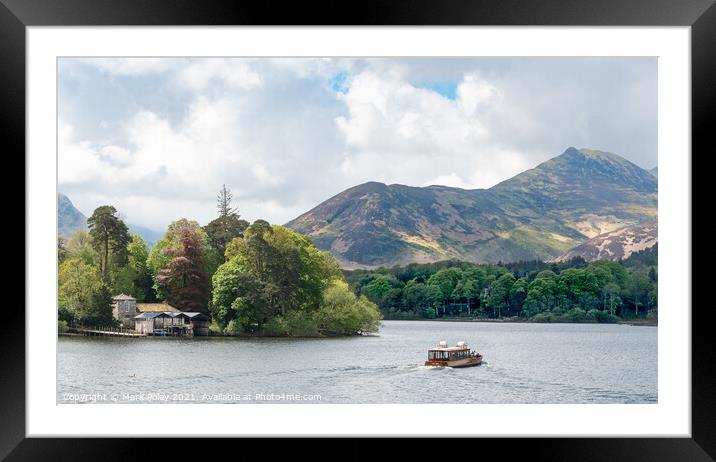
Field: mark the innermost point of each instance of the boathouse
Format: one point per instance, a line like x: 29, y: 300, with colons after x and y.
x: 158, y: 318
x: 183, y: 323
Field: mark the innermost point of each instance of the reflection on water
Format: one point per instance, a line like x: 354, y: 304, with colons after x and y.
x: 523, y: 363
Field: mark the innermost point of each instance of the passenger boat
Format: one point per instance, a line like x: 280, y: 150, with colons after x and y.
x: 457, y: 356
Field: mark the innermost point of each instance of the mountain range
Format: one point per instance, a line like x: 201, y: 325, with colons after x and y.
x: 542, y: 213
x: 583, y: 202
x: 71, y: 220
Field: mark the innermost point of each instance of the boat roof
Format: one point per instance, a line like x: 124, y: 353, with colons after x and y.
x: 453, y: 348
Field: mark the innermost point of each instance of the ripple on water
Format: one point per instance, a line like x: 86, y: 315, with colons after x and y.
x: 524, y: 363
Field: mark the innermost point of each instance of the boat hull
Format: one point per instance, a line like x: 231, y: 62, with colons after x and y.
x: 467, y: 362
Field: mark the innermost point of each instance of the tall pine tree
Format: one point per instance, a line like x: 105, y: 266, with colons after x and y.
x: 109, y: 236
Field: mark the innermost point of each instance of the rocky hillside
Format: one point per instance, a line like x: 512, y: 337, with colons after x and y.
x: 538, y: 214
x: 69, y: 219
x: 615, y: 245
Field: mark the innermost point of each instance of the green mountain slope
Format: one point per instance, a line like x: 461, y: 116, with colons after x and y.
x: 538, y: 214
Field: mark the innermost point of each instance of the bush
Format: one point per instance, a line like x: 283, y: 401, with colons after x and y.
x: 233, y: 328
x: 62, y: 326
x: 430, y: 313
x: 605, y: 316
x: 64, y: 313
x: 543, y: 317
x: 293, y: 324
x: 575, y: 315
x: 215, y: 328
x: 344, y: 314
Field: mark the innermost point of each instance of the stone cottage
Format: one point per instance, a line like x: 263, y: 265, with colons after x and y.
x: 124, y: 309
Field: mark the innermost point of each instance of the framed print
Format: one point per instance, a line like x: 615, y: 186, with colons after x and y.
x: 445, y: 222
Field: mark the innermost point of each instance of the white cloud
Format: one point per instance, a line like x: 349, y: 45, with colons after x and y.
x: 76, y: 159
x: 474, y: 93
x: 202, y: 73
x: 286, y: 134
x: 115, y: 155
x: 132, y: 66
x: 453, y: 180
x: 397, y: 132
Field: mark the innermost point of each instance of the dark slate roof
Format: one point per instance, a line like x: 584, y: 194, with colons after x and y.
x: 171, y: 314
x: 195, y: 314
x: 155, y: 314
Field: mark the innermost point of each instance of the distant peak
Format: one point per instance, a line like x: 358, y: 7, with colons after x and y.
x: 594, y: 154
x: 370, y: 186
x: 585, y: 152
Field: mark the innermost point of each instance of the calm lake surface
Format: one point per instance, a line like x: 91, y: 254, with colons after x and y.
x: 522, y: 363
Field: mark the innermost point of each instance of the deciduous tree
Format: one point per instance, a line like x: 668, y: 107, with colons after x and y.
x: 184, y: 279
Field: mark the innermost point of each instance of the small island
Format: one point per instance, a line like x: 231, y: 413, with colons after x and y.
x: 226, y: 278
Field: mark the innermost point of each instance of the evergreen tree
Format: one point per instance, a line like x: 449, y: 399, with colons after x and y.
x: 223, y: 201
x: 109, y: 236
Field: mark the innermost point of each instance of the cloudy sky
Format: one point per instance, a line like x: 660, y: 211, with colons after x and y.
x: 157, y: 138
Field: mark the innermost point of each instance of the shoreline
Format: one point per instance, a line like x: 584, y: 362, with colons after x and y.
x: 630, y: 322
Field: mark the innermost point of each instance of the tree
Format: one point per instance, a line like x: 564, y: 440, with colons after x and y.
x: 184, y: 279
x: 110, y: 237
x: 638, y: 289
x: 378, y: 288
x: 221, y: 231
x: 238, y: 296
x: 341, y: 312
x: 272, y: 272
x: 415, y: 296
x: 135, y: 278
x: 540, y: 296
x: 157, y: 260
x: 518, y: 294
x: 498, y: 297
x: 445, y: 280
x: 223, y: 202
x: 160, y: 255
x: 253, y: 248
x: 611, y: 297
x: 77, y: 282
x: 100, y: 308
x: 61, y: 249
x: 79, y: 245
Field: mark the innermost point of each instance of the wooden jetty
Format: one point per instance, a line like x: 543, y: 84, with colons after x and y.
x: 104, y: 332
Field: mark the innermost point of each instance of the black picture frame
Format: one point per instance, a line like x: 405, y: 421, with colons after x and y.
x: 700, y: 15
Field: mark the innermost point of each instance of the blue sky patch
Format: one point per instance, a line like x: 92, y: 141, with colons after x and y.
x: 339, y: 83
x: 448, y: 88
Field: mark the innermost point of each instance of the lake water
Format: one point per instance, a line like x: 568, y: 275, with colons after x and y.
x: 522, y: 363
